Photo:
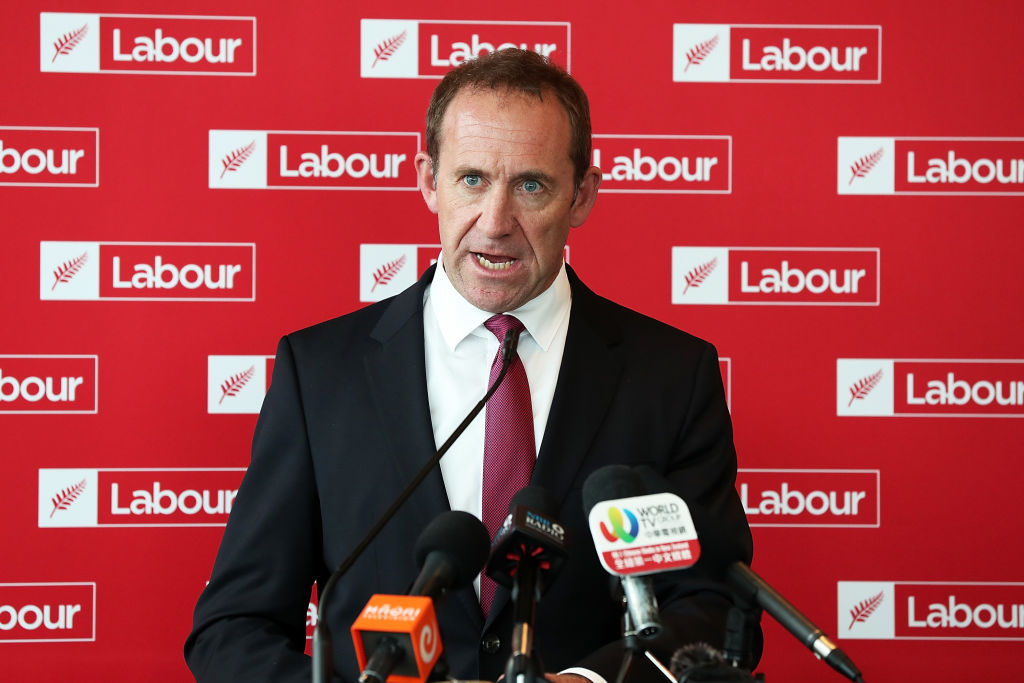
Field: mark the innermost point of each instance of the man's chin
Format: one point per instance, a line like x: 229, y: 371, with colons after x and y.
x: 494, y: 300
x: 496, y: 304
x: 495, y: 292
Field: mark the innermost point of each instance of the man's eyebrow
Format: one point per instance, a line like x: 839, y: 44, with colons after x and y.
x: 460, y: 171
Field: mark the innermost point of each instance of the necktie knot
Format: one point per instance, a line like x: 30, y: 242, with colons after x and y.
x: 499, y: 325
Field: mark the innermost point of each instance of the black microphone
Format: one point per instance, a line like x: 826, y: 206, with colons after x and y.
x: 613, y: 482
x: 527, y: 554
x: 700, y: 663
x: 752, y: 587
x: 450, y: 552
x: 323, y: 654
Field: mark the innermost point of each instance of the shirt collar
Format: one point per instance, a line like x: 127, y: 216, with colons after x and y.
x: 457, y: 318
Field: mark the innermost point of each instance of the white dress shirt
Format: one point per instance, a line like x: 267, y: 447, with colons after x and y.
x: 459, y: 352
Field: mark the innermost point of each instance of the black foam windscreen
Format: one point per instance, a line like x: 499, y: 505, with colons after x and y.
x: 536, y: 498
x: 462, y: 538
x: 610, y: 483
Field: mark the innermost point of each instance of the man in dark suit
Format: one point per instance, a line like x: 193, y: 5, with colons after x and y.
x: 359, y: 403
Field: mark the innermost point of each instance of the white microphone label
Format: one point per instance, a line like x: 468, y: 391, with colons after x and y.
x: 644, y: 534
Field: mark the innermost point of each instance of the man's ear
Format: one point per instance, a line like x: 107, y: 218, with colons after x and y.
x: 586, y: 197
x: 425, y: 180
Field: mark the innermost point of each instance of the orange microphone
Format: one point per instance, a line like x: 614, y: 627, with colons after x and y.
x: 400, y: 632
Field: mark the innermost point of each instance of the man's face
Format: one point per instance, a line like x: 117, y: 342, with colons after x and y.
x: 503, y: 192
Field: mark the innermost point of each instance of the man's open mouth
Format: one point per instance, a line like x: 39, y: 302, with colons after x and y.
x: 491, y: 262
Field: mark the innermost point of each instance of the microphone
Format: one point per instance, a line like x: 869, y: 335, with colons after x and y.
x: 752, y: 587
x: 527, y: 554
x: 401, y: 632
x: 636, y: 535
x: 699, y: 662
x: 322, y: 642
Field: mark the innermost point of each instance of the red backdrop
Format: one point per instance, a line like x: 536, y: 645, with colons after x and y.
x: 829, y: 193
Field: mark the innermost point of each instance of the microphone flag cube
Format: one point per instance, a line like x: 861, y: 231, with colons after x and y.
x: 644, y: 534
x: 412, y: 622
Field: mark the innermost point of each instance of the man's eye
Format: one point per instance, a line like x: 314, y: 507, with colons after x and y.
x: 531, y: 186
x: 471, y: 180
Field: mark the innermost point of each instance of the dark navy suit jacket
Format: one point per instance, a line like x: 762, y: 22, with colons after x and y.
x: 345, y: 425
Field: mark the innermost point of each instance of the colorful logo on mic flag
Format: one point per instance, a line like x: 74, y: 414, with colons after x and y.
x: 618, y: 531
x: 644, y: 534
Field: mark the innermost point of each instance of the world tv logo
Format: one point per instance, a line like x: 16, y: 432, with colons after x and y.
x: 616, y: 517
x: 660, y: 534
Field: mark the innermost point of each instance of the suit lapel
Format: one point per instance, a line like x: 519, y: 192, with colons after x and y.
x: 396, y: 376
x: 590, y: 371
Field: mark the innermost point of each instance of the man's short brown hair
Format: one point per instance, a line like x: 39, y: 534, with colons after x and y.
x: 515, y: 70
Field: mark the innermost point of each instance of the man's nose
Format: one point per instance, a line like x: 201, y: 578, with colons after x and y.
x: 496, y: 213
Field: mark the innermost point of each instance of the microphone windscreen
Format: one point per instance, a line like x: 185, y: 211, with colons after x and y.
x: 610, y: 483
x: 535, y: 498
x: 653, y: 482
x: 694, y: 656
x: 462, y: 538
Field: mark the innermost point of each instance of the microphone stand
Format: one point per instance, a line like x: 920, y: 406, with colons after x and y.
x: 632, y: 647
x: 323, y: 654
x: 739, y: 625
x: 630, y: 643
x: 523, y: 666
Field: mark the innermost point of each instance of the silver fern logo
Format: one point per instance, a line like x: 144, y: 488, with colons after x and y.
x: 66, y: 497
x: 384, y: 50
x: 384, y: 274
x: 69, y: 269
x: 866, y: 165
x: 865, y: 608
x: 863, y: 166
x: 862, y: 387
x: 237, y: 384
x: 234, y: 159
x: 865, y: 387
x: 696, y: 54
x: 69, y: 41
x: 387, y: 269
x: 699, y: 274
